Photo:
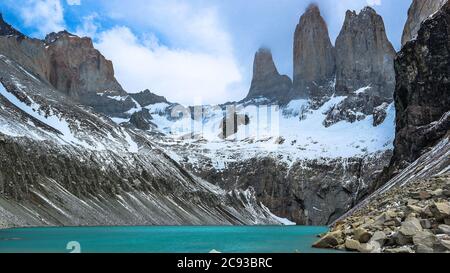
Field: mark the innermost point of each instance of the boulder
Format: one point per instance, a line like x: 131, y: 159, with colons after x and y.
x: 352, y: 245
x: 329, y: 240
x: 443, y: 229
x: 362, y: 235
x: 440, y: 210
x: 424, y: 241
x: 399, y: 250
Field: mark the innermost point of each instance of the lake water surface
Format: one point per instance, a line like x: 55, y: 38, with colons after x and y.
x: 157, y: 239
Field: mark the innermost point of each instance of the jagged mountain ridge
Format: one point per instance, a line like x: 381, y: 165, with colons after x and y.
x: 287, y: 180
x: 321, y: 133
x: 62, y: 163
x: 417, y: 13
x: 409, y: 211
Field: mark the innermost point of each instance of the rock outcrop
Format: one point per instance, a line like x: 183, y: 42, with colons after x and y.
x: 310, y: 192
x: 64, y: 164
x: 6, y: 29
x: 314, y: 55
x: 409, y: 209
x: 422, y: 91
x: 407, y: 219
x: 267, y: 82
x: 417, y: 13
x: 364, y: 55
x: 78, y: 68
x: 141, y: 120
x: 146, y: 97
x: 71, y: 65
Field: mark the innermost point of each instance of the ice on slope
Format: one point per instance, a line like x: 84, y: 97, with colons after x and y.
x: 292, y: 133
x: 66, y: 134
x: 50, y: 120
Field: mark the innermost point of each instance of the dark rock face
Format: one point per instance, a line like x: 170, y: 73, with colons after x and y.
x: 314, y: 55
x: 146, y: 98
x: 78, y: 68
x: 422, y: 95
x: 72, y: 65
x: 311, y: 192
x: 142, y: 119
x: 267, y: 82
x: 364, y: 55
x: 417, y: 13
x: 6, y: 29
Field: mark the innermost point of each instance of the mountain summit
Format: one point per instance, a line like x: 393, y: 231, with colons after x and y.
x: 267, y: 82
x: 364, y: 55
x: 6, y: 29
x: 314, y: 56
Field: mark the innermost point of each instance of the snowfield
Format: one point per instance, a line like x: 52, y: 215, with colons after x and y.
x: 291, y: 133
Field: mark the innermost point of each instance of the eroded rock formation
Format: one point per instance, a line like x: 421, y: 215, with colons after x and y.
x: 364, y: 55
x: 417, y: 13
x: 314, y: 55
x: 267, y: 82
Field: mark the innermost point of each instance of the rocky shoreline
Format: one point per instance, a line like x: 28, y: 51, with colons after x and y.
x: 414, y: 218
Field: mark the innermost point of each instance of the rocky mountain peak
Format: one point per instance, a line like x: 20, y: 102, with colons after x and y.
x: 314, y: 56
x: 146, y: 98
x: 364, y: 55
x: 78, y: 68
x: 422, y: 88
x: 417, y: 13
x: 6, y: 29
x: 267, y: 81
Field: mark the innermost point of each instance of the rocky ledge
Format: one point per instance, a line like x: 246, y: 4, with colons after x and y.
x: 407, y: 219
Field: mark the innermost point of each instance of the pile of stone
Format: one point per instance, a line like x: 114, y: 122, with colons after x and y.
x: 414, y: 218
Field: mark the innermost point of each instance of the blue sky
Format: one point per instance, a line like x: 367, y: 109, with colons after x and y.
x: 197, y: 51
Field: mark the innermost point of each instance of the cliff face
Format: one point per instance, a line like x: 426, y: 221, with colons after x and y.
x: 78, y: 68
x: 267, y: 82
x: 314, y: 56
x: 364, y: 55
x: 7, y: 29
x: 417, y: 13
x: 422, y: 91
x: 71, y: 65
x: 409, y: 211
x: 62, y: 164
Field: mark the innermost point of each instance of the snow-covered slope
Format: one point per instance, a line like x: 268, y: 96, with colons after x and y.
x: 290, y: 133
x: 64, y: 164
x: 293, y: 142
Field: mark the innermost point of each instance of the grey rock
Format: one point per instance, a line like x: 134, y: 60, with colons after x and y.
x: 329, y: 240
x: 141, y: 120
x: 364, y: 55
x: 314, y: 55
x: 419, y: 11
x: 362, y: 235
x: 146, y: 98
x: 424, y: 241
x: 421, y: 97
x: 6, y: 29
x: 267, y: 82
x: 426, y: 224
x: 400, y: 250
x: 443, y: 229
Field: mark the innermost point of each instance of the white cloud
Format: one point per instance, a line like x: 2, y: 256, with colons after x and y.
x: 44, y: 15
x: 74, y: 2
x: 89, y: 27
x: 181, y: 75
x: 374, y: 2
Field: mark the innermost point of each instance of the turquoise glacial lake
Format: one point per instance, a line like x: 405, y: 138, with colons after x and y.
x: 158, y: 239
